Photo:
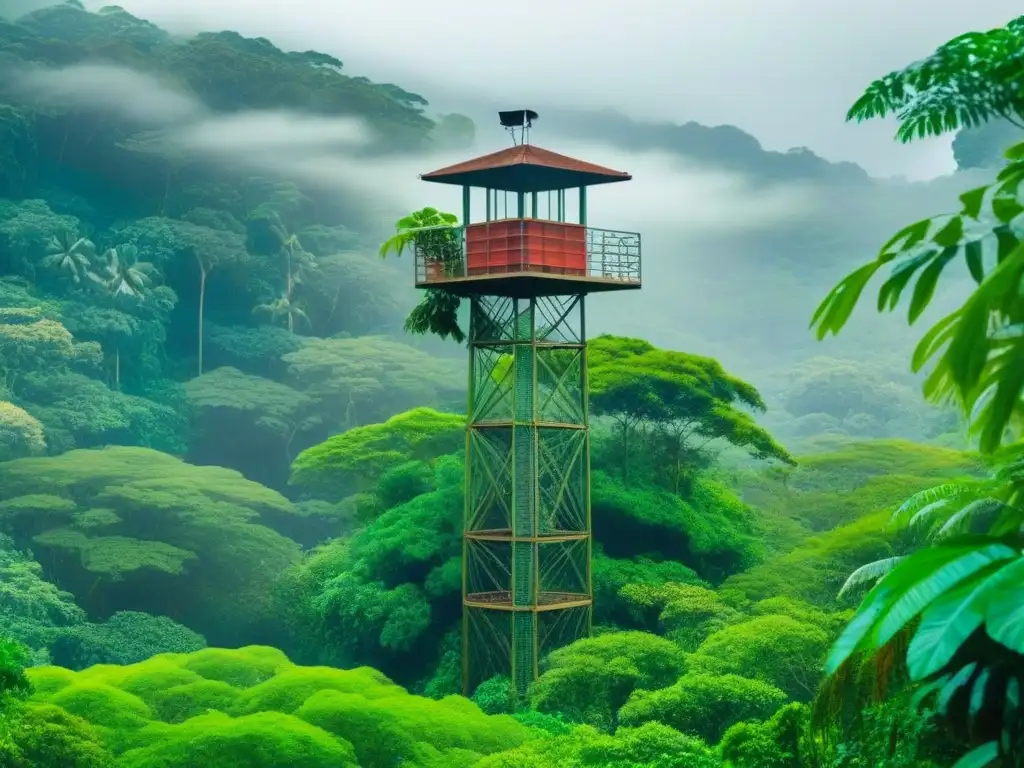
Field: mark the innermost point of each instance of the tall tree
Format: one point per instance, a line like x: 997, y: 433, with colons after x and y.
x: 70, y: 255
x: 299, y: 265
x: 682, y: 402
x: 124, y: 278
x: 286, y: 307
x: 168, y: 240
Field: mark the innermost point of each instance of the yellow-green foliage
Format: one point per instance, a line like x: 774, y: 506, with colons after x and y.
x: 776, y: 742
x: 652, y: 745
x: 365, y: 453
x: 46, y: 681
x: 21, y: 434
x: 589, y: 680
x: 46, y: 736
x: 180, y: 702
x: 777, y: 649
x: 256, y: 665
x: 686, y: 613
x: 288, y: 690
x: 853, y: 478
x: 253, y: 708
x: 264, y: 740
x: 831, y: 515
x: 816, y: 569
x: 102, y: 705
x: 704, y: 705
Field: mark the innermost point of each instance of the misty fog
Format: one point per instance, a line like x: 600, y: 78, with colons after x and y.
x: 739, y: 246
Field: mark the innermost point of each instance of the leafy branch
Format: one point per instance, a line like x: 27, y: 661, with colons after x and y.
x: 959, y: 599
x: 977, y: 352
x: 967, y: 81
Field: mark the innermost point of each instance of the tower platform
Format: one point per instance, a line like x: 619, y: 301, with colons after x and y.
x: 524, y: 257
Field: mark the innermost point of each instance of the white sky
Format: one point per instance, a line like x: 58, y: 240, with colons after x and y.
x: 783, y: 70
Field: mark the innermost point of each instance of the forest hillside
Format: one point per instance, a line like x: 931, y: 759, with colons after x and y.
x: 232, y: 486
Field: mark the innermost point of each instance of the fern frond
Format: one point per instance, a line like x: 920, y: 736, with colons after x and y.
x: 871, y: 572
x: 969, y: 80
x: 966, y: 514
x: 927, y: 498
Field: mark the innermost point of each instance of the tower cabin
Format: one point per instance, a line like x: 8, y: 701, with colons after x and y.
x: 524, y: 244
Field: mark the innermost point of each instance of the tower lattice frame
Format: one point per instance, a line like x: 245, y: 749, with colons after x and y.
x: 526, y: 269
x: 527, y: 582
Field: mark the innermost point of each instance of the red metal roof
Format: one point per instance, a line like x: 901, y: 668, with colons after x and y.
x: 525, y: 168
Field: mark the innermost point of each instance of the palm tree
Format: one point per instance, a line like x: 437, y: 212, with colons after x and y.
x: 285, y: 307
x: 124, y: 277
x: 71, y: 255
x: 299, y: 265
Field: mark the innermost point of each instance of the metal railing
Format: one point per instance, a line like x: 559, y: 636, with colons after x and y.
x: 613, y: 255
x: 440, y: 255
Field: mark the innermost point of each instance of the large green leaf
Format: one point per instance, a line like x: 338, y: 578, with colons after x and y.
x: 956, y: 682
x: 892, y: 289
x: 832, y: 314
x: 908, y: 589
x: 978, y: 692
x: 945, y: 625
x: 924, y: 290
x: 979, y: 757
x: 961, y: 563
x: 964, y: 515
x: 1004, y: 620
x: 854, y: 633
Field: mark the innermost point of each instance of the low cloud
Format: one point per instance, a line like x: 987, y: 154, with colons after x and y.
x: 709, y: 235
x: 662, y: 190
x: 321, y: 151
x: 184, y: 122
x: 279, y: 132
x: 131, y: 94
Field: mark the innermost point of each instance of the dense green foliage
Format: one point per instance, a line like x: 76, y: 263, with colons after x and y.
x: 946, y: 620
x: 215, y: 429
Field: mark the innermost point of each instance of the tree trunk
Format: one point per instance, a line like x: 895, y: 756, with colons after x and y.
x: 677, y: 462
x: 117, y: 369
x: 63, y: 145
x: 288, y: 294
x: 625, y: 454
x: 167, y: 189
x: 202, y: 302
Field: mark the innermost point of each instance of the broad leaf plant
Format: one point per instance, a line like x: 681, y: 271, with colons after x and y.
x: 952, y: 612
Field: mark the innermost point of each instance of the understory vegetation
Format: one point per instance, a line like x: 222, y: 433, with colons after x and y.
x: 232, y: 481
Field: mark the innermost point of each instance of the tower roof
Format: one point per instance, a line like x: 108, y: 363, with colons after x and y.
x: 525, y: 168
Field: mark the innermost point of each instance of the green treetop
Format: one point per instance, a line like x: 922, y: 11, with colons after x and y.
x: 682, y: 402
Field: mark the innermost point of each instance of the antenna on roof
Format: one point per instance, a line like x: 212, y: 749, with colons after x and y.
x: 521, y: 119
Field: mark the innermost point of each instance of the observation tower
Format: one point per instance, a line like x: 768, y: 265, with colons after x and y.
x: 526, y: 270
